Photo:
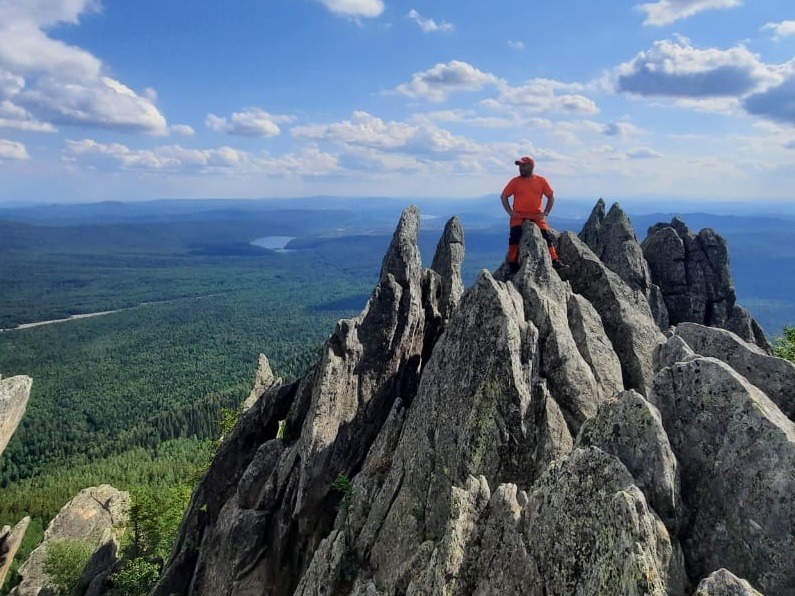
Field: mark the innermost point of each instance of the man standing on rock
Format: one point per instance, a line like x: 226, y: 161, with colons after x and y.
x: 528, y: 191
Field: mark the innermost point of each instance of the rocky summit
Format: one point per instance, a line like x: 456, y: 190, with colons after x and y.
x: 615, y: 425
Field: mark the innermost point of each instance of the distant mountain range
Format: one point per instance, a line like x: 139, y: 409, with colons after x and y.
x: 758, y: 232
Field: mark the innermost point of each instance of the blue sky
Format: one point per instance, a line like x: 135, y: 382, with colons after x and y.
x: 120, y: 100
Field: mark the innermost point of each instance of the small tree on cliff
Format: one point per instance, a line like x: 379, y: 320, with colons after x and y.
x: 785, y: 345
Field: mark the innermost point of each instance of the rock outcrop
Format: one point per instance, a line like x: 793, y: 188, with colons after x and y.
x: 725, y: 583
x: 693, y: 273
x: 774, y: 376
x: 533, y: 434
x: 92, y: 517
x: 10, y: 540
x: 736, y: 451
x: 263, y: 380
x: 14, y: 396
x: 612, y: 238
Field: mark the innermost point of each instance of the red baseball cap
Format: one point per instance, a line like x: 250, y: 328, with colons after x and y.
x: 525, y: 159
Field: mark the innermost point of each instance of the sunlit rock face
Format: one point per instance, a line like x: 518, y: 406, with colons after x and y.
x: 540, y: 433
x: 14, y: 396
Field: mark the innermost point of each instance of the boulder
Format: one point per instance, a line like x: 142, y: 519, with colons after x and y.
x: 736, y: 454
x: 447, y: 263
x: 93, y: 516
x: 612, y: 238
x: 774, y: 376
x: 724, y: 583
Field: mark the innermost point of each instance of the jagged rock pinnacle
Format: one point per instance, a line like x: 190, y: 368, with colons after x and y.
x: 432, y: 448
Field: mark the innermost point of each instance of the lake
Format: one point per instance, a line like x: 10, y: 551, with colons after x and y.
x: 276, y: 243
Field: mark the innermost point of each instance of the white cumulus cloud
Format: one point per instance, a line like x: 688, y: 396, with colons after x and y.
x: 776, y: 103
x: 674, y: 68
x: 436, y: 83
x: 252, y: 122
x: 58, y: 83
x: 665, y: 12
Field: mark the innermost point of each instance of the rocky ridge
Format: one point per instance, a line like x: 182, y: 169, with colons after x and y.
x: 548, y: 433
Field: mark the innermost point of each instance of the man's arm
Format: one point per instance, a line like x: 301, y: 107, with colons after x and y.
x: 550, y: 202
x: 507, y: 206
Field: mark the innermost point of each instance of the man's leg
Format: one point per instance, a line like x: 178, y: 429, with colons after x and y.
x: 541, y: 222
x: 551, y: 244
x: 513, y: 248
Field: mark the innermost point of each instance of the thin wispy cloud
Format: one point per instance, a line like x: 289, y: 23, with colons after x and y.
x: 428, y: 25
x: 366, y: 130
x: 665, y: 12
x: 516, y: 45
x: 178, y: 159
x: 355, y: 8
x: 619, y: 129
x: 643, y: 153
x: 12, y: 150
